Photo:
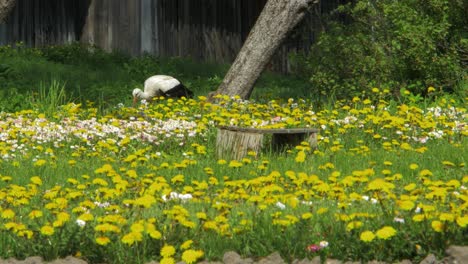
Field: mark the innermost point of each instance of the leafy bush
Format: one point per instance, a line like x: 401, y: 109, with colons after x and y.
x: 391, y: 44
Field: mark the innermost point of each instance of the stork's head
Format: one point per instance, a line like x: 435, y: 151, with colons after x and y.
x: 136, y: 95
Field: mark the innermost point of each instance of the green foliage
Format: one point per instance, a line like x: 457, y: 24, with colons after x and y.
x: 391, y: 44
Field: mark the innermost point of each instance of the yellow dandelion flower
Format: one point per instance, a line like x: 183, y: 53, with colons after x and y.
x: 251, y: 153
x: 306, y: 216
x: 187, y: 244
x: 367, y: 236
x: 106, y: 227
x: 36, y: 180
x: 448, y: 163
x: 413, y: 166
x: 421, y: 149
x: 419, y: 218
x: 137, y: 227
x: 453, y: 183
x: 235, y: 164
x: 26, y: 233
x: 132, y: 174
x: 191, y: 256
x: 86, y: 217
x: 300, y: 156
x: 210, y: 225
x: 380, y: 184
x: 131, y: 238
x: 425, y: 173
x: 40, y: 162
x: 35, y: 214
x: 438, y: 226
x: 178, y: 178
x: 47, y: 230
x: 167, y: 251
x: 167, y: 260
x: 386, y: 232
x: 201, y: 215
x: 146, y: 201
x: 6, y: 178
x: 462, y: 221
x: 322, y: 210
x: 222, y: 162
x: 102, y: 240
x: 405, y: 205
x: 353, y: 225
x: 154, y: 234
x: 10, y: 225
x: 63, y: 217
x: 410, y: 187
x: 8, y: 214
x: 447, y: 217
x: 100, y: 181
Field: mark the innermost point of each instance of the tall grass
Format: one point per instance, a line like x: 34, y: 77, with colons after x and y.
x: 49, y: 97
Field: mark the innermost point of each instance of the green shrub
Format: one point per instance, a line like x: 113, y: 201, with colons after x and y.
x: 390, y: 44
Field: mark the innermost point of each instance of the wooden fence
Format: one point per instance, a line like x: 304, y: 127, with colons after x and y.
x: 206, y: 30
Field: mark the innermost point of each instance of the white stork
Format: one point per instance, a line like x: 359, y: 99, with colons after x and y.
x: 161, y: 85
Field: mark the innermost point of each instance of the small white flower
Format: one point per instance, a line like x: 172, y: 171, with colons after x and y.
x: 80, y: 223
x: 323, y: 244
x: 417, y: 210
x: 399, y: 220
x: 280, y: 205
x: 185, y: 197
x: 102, y: 205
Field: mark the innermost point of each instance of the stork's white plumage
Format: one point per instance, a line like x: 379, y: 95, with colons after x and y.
x: 161, y: 85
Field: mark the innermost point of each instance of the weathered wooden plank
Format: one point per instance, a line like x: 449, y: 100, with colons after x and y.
x: 146, y: 25
x: 155, y: 26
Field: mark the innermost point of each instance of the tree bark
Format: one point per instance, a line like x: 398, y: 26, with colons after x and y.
x: 276, y: 20
x: 6, y: 6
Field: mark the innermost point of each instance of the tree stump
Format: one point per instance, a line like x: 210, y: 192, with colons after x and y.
x: 235, y: 142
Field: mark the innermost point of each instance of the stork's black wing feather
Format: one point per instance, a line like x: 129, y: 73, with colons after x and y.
x: 179, y: 91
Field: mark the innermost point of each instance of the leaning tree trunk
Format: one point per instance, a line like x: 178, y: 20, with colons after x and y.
x: 6, y: 6
x: 276, y: 20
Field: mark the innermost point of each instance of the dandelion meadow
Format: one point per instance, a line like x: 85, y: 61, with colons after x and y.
x: 387, y: 181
